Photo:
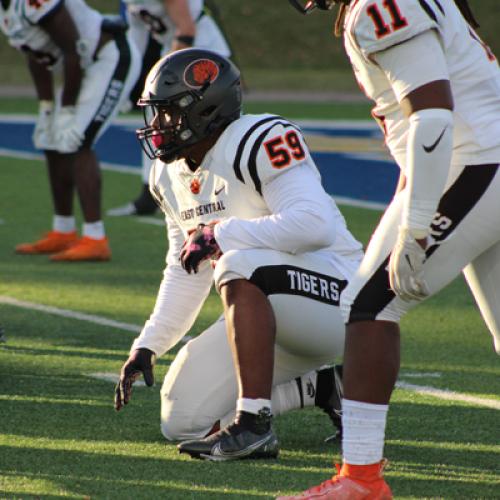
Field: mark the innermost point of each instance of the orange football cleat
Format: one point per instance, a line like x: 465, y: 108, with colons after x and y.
x: 352, y: 482
x: 85, y: 249
x: 52, y: 242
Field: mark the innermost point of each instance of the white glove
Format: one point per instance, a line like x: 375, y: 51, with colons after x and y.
x: 406, y: 268
x: 42, y: 134
x: 67, y: 137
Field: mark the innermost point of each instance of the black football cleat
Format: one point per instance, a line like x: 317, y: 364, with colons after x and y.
x: 236, y: 441
x: 329, y: 393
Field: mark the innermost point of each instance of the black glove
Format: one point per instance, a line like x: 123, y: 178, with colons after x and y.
x: 199, y: 246
x: 140, y: 361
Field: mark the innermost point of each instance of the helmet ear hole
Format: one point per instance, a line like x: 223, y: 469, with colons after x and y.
x: 208, y: 111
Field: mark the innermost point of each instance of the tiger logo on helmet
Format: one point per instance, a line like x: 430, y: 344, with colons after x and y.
x: 201, y: 72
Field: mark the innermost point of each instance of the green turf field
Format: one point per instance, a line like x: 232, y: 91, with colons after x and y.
x: 60, y: 436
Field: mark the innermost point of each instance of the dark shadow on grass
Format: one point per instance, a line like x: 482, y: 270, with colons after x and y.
x: 108, y: 475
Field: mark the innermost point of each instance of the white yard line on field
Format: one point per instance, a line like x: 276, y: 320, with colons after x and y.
x: 419, y: 389
x: 150, y: 220
x: 67, y: 313
x: 420, y: 374
x: 449, y: 395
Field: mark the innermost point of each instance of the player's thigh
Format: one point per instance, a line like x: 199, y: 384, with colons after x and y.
x: 209, y: 36
x: 483, y: 278
x: 304, y: 291
x: 466, y: 224
x: 105, y: 86
x: 200, y: 385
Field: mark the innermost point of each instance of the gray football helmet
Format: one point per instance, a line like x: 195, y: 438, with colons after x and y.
x: 188, y: 95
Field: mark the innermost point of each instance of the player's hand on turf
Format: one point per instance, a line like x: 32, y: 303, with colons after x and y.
x: 406, y: 268
x: 42, y: 134
x: 67, y: 136
x: 140, y: 361
x: 199, y: 246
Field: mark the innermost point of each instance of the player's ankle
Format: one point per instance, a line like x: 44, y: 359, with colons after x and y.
x: 364, y: 472
x: 257, y: 423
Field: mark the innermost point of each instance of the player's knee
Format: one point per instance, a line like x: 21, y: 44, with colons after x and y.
x: 345, y: 304
x: 231, y: 266
x: 178, y: 424
x: 174, y: 428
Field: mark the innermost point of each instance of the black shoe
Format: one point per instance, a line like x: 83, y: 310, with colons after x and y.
x: 144, y: 204
x: 237, y: 441
x: 329, y: 393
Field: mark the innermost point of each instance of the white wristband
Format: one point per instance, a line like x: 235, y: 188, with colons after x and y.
x: 45, y: 107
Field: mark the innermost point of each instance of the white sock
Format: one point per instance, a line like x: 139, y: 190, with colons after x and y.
x: 252, y: 405
x: 363, y: 432
x: 94, y: 230
x: 63, y: 223
x: 298, y: 393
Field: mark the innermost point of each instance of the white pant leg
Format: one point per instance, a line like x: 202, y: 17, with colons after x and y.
x: 304, y: 291
x: 483, y: 278
x: 466, y: 225
x: 200, y: 386
x: 105, y: 86
x: 209, y: 36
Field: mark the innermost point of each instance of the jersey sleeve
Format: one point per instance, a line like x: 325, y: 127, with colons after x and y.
x: 36, y: 10
x: 380, y: 24
x: 267, y: 150
x: 179, y: 300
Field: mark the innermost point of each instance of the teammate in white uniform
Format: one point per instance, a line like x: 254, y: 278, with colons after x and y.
x: 247, y: 188
x: 159, y: 27
x: 99, y: 67
x: 436, y: 87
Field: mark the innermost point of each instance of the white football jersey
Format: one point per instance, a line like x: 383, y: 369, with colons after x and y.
x: 371, y: 26
x: 259, y: 162
x: 153, y: 15
x: 20, y: 22
x: 252, y: 152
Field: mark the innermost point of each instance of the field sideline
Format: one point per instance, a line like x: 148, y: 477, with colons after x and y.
x: 67, y: 325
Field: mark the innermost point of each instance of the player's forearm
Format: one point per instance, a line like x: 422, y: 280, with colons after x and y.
x: 42, y: 79
x: 73, y: 75
x: 429, y: 150
x: 178, y: 303
x: 178, y: 11
x: 302, y: 220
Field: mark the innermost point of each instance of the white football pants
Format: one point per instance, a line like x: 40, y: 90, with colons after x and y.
x: 200, y: 387
x: 466, y: 233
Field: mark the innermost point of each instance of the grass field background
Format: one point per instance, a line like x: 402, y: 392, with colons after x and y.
x: 59, y: 433
x: 275, y: 46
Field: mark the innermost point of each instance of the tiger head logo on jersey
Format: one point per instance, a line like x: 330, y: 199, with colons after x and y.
x: 195, y: 186
x: 201, y: 72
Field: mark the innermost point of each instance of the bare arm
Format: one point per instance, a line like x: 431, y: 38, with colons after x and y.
x: 61, y: 28
x: 435, y: 94
x: 42, y: 78
x: 185, y: 27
